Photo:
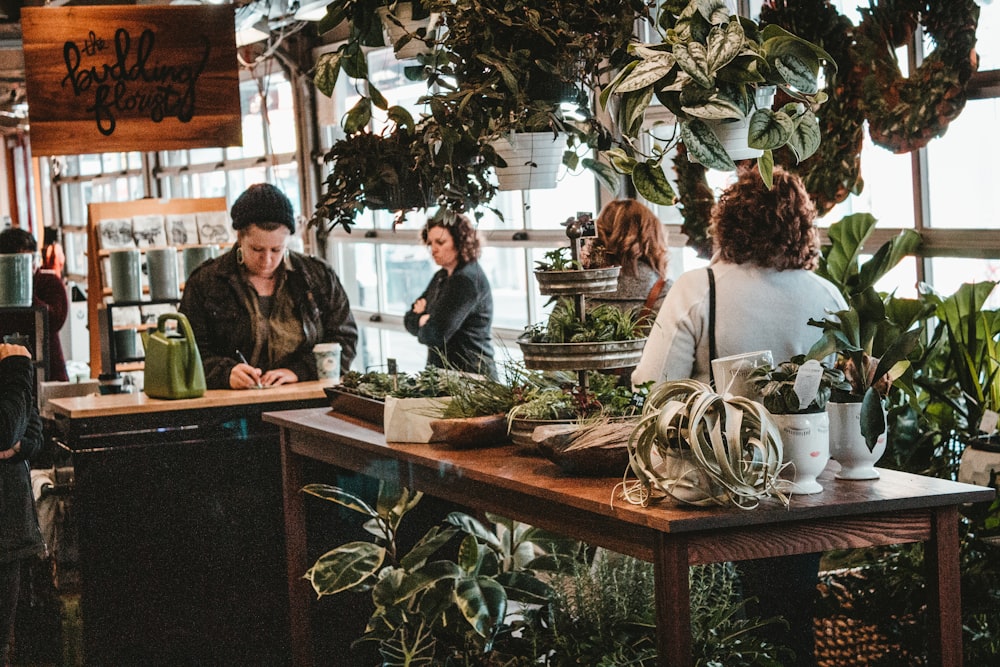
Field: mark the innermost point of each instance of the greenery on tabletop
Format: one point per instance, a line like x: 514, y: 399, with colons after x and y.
x: 710, y: 66
x: 558, y: 396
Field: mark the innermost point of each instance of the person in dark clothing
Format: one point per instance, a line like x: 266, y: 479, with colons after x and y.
x: 454, y: 315
x: 258, y: 310
x: 49, y: 290
x: 20, y: 440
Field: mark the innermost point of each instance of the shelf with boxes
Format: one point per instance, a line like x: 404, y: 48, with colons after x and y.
x: 139, y: 255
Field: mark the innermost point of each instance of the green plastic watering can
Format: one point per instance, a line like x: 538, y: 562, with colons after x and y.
x: 173, y: 364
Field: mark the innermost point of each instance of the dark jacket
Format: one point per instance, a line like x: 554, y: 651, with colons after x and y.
x: 459, y: 330
x: 19, y: 422
x: 215, y: 302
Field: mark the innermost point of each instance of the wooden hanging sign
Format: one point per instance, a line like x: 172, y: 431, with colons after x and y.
x: 131, y: 78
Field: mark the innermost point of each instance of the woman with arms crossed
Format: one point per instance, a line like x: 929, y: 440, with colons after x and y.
x: 454, y: 315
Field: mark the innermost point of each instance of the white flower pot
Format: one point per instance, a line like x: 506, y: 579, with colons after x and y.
x: 733, y: 133
x: 847, y: 444
x: 393, y: 32
x: 532, y: 158
x: 805, y: 440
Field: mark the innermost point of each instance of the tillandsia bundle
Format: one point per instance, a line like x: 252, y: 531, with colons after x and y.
x: 702, y: 449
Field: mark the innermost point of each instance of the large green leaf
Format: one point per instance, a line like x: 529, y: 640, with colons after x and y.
x: 483, y: 603
x: 872, y: 418
x: 724, y: 44
x: 337, y: 495
x: 345, y: 568
x: 435, y: 538
x: 806, y: 136
x: 704, y: 146
x: 886, y: 258
x: 326, y: 72
x: 693, y: 59
x: 650, y: 182
x: 769, y: 129
x: 715, y: 108
x: 474, y: 527
x: 847, y: 238
x: 359, y: 116
x: 646, y: 73
x: 605, y: 173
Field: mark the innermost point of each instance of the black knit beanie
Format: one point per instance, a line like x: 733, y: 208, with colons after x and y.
x: 261, y: 203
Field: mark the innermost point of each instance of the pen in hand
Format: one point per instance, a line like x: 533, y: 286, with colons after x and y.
x: 243, y: 360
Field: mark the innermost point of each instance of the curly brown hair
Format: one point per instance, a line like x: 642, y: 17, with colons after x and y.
x: 463, y: 235
x: 772, y: 228
x: 631, y: 232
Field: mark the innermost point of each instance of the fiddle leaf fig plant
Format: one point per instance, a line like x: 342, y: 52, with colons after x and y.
x: 713, y: 65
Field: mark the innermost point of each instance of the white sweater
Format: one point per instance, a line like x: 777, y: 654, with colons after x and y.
x: 755, y: 309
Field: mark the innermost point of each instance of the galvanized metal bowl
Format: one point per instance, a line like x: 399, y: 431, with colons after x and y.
x: 578, y: 281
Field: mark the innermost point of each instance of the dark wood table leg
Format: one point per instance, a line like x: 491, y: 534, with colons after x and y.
x: 299, y: 590
x: 944, y: 591
x: 673, y: 601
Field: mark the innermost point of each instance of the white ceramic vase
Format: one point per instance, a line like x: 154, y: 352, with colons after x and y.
x: 847, y: 444
x: 805, y: 440
x: 405, y: 24
x: 732, y: 133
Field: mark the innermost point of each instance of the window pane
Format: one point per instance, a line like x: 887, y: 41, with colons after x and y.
x: 506, y: 272
x: 575, y: 193
x: 948, y: 273
x: 408, y: 270
x: 888, y: 189
x: 966, y: 196
x: 988, y: 36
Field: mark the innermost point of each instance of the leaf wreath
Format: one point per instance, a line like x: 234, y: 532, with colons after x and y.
x: 834, y: 171
x: 904, y: 114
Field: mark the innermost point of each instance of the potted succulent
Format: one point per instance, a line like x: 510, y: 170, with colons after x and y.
x: 796, y: 392
x: 704, y: 449
x: 714, y: 67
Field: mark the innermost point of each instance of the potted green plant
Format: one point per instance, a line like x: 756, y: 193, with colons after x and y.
x: 716, y: 67
x: 606, y: 337
x: 796, y: 392
x: 871, y: 349
x: 558, y: 273
x: 409, y: 165
x: 532, y: 71
x: 429, y: 608
x: 703, y: 449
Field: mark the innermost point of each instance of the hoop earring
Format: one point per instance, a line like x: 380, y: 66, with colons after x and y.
x: 239, y: 255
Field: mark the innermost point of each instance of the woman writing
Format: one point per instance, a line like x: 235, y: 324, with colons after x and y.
x: 766, y: 247
x: 454, y: 315
x: 258, y: 310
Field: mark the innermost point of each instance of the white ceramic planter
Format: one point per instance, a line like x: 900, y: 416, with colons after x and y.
x: 847, y: 445
x: 532, y: 158
x: 805, y: 442
x: 395, y: 32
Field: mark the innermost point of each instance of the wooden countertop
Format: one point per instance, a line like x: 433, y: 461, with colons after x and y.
x: 100, y: 405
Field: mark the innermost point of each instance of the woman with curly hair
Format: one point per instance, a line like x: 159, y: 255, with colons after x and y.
x: 454, y: 315
x: 766, y: 248
x: 765, y: 291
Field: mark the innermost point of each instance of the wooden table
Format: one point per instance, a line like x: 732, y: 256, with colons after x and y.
x: 897, y: 508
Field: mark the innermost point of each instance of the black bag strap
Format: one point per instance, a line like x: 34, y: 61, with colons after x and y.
x: 712, y: 353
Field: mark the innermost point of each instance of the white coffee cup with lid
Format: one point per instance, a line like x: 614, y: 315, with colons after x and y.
x: 327, y: 360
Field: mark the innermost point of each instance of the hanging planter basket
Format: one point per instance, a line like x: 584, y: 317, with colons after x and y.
x: 532, y: 158
x: 734, y: 134
x: 578, y: 281
x: 581, y: 356
x: 399, y: 23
